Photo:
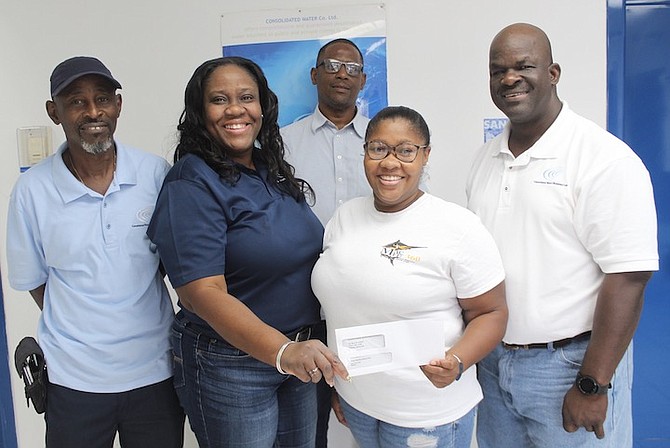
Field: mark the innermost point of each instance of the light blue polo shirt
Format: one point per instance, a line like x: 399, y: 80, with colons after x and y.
x: 107, y: 314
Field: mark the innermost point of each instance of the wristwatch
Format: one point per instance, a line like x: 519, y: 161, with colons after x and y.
x: 589, y: 386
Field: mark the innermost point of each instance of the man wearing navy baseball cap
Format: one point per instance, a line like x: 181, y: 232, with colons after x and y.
x: 76, y: 240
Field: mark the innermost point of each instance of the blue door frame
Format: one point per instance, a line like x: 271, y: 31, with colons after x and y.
x: 7, y: 424
x: 638, y: 61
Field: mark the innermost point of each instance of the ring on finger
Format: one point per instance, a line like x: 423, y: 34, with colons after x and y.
x: 313, y: 371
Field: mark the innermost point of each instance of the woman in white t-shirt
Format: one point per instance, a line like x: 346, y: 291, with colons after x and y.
x: 404, y: 254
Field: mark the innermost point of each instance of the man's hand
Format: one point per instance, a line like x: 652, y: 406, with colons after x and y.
x: 586, y: 411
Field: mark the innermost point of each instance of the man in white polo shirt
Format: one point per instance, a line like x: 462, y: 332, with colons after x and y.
x: 571, y: 208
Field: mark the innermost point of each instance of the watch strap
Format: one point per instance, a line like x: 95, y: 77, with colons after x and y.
x: 460, y: 367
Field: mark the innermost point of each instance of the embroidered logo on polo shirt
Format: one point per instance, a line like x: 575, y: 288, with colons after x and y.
x: 398, y: 251
x: 143, y: 216
x: 553, y: 176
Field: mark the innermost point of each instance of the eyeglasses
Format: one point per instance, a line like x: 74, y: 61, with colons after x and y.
x: 333, y: 66
x: 405, y: 152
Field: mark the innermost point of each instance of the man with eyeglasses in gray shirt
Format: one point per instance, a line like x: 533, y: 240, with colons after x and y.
x: 326, y: 147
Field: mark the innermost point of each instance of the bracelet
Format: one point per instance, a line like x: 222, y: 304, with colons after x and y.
x: 278, y: 358
x: 460, y: 367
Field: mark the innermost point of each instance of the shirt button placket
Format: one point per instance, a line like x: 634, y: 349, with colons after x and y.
x: 506, y: 182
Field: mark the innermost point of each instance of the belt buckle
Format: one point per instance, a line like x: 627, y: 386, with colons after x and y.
x: 303, y: 334
x: 516, y: 346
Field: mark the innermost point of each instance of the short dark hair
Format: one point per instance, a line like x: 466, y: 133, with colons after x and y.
x: 405, y: 113
x: 338, y: 41
x: 195, y: 139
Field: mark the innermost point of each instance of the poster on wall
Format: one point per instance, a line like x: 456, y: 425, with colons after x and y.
x: 493, y: 127
x: 285, y: 42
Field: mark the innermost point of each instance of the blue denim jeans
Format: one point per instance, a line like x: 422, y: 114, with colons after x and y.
x: 523, y: 399
x: 234, y: 400
x: 372, y: 433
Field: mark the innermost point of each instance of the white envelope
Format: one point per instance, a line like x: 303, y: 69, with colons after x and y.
x: 392, y: 345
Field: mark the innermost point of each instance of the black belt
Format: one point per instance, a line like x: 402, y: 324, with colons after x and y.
x: 195, y: 329
x: 548, y: 345
x: 301, y: 334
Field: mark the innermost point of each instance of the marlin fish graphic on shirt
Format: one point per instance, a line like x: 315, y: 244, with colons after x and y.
x: 397, y: 251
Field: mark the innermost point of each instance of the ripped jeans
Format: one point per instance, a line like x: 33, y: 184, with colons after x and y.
x: 372, y: 433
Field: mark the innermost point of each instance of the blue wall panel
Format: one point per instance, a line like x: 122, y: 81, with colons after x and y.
x: 640, y: 113
x: 7, y: 426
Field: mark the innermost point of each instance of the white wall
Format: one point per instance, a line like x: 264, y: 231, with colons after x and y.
x: 437, y: 64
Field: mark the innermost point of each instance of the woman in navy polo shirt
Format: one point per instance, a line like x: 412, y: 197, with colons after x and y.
x: 238, y: 241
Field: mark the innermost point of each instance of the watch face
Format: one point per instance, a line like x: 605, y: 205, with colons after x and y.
x: 587, y: 385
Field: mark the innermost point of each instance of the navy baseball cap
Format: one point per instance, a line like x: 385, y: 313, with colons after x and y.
x: 76, y: 67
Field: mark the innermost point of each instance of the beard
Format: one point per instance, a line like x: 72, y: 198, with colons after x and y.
x: 98, y: 147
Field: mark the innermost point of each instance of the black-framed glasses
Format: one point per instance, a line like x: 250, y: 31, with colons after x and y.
x: 405, y: 152
x: 333, y: 66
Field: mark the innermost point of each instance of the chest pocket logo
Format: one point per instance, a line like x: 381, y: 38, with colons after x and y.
x: 553, y: 176
x: 143, y: 216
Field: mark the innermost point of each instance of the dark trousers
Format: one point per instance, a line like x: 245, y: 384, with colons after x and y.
x: 147, y: 417
x: 323, y: 395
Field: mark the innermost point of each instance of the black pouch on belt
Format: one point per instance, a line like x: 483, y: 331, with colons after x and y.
x: 32, y: 368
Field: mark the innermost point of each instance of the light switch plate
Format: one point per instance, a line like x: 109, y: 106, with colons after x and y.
x: 34, y: 144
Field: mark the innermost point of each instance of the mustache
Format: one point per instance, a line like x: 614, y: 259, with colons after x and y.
x: 86, y: 121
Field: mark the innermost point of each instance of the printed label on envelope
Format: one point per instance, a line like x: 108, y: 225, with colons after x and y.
x: 366, y: 342
x: 391, y: 345
x: 358, y: 362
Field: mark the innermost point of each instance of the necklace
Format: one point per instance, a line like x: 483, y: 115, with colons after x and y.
x: 74, y: 168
